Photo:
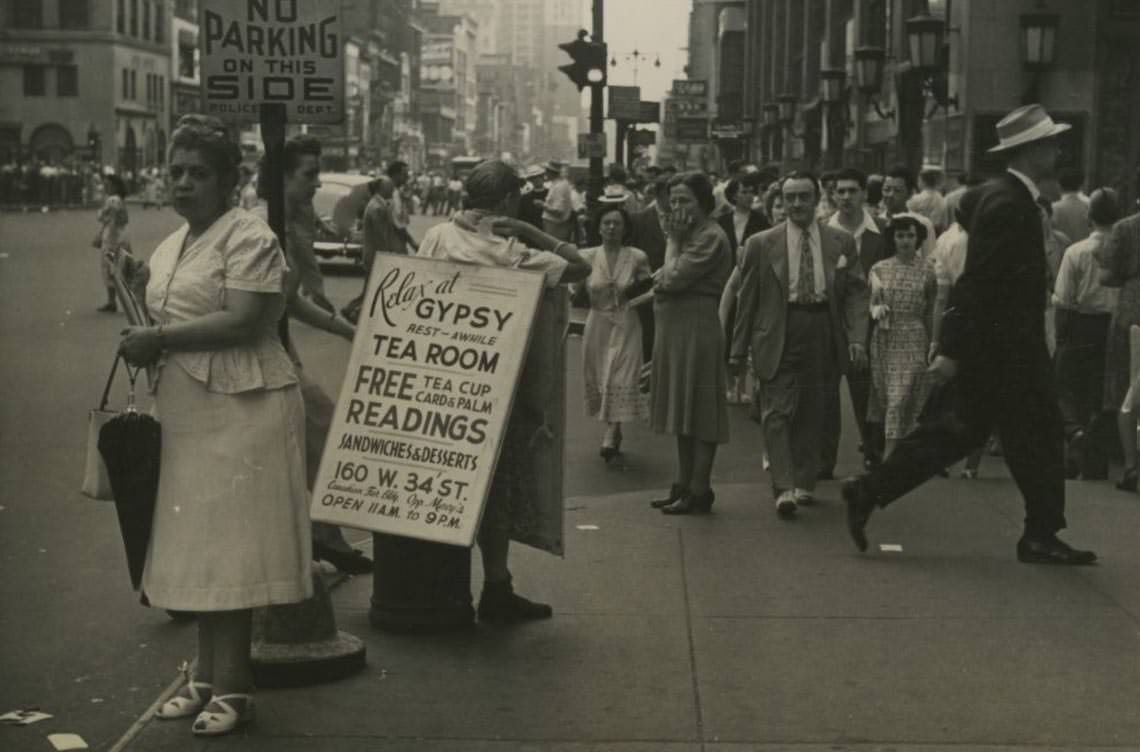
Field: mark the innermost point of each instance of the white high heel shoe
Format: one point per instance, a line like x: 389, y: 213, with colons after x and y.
x: 182, y: 705
x: 227, y: 717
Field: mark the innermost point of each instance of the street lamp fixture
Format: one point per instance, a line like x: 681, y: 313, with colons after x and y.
x: 869, y: 77
x: 1038, y: 48
x: 1039, y: 40
x: 930, y: 58
x: 787, y: 107
x: 831, y: 82
x: 771, y: 114
x: 924, y: 34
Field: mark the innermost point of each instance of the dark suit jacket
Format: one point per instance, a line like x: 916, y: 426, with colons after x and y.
x: 996, y: 312
x: 756, y: 223
x: 647, y: 235
x: 763, y: 298
x: 529, y: 210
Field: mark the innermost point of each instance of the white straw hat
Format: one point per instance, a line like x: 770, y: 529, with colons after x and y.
x: 1026, y: 124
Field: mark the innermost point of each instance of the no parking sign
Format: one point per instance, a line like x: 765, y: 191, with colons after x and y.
x: 288, y: 52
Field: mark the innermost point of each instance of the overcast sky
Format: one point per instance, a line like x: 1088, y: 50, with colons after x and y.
x: 654, y: 28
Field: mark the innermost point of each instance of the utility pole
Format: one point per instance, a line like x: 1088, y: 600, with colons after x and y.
x: 597, y: 164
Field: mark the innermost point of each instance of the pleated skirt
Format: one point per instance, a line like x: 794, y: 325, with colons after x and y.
x: 688, y: 385
x: 231, y: 522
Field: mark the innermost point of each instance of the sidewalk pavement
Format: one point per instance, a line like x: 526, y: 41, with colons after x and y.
x: 737, y: 632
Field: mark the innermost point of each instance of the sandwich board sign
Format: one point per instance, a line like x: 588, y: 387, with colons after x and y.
x: 423, y: 409
x: 288, y: 52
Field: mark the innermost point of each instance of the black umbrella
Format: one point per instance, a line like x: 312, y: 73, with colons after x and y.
x: 130, y: 444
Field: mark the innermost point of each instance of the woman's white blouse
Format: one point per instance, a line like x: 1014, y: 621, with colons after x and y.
x: 237, y: 252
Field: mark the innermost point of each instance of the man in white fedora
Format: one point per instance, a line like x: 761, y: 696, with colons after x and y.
x: 992, y: 366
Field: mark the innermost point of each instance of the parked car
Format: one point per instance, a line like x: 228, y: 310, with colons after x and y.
x: 339, y: 204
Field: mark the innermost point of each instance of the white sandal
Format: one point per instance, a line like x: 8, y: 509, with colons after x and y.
x: 215, y: 723
x: 181, y: 705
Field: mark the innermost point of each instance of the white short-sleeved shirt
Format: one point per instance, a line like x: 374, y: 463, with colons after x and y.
x: 237, y: 252
x: 467, y: 239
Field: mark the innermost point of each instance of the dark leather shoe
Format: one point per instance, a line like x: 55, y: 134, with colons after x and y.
x: 691, y: 504
x: 1051, y: 550
x: 859, y: 508
x: 675, y: 493
x: 500, y: 603
x: 346, y: 562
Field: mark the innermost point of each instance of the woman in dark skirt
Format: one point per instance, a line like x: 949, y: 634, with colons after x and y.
x: 688, y: 383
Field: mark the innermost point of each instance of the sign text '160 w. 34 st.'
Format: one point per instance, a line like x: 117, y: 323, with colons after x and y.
x: 272, y: 51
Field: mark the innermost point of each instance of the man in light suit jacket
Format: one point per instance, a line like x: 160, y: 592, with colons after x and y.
x: 802, y: 314
x: 870, y: 248
x: 992, y: 356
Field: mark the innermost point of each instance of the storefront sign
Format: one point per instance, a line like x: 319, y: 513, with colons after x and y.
x: 650, y: 112
x: 692, y: 130
x: 423, y: 408
x: 280, y: 51
x: 625, y: 103
x: 694, y: 88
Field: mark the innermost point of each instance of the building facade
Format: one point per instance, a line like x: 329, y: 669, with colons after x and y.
x: 85, y: 79
x: 879, y: 109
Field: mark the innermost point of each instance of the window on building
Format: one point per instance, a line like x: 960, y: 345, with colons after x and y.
x: 159, y: 22
x: 186, y: 60
x: 126, y: 84
x: 73, y: 14
x: 134, y: 85
x: 121, y: 16
x: 67, y: 80
x: 34, y: 81
x: 146, y: 19
x: 162, y: 92
x: 134, y: 18
x: 27, y: 14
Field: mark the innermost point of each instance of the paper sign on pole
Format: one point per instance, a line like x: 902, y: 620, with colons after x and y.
x: 423, y: 408
x: 286, y: 51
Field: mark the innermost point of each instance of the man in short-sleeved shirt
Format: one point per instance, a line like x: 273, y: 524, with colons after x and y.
x: 470, y: 237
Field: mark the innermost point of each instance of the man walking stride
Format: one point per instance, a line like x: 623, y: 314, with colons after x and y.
x: 993, y: 364
x: 801, y: 313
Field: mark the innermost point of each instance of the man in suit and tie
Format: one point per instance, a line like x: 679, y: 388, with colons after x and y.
x: 993, y: 363
x: 801, y: 313
x: 870, y: 248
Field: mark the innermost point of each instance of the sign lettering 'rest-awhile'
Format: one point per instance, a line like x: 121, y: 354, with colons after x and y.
x: 283, y: 51
x: 425, y: 400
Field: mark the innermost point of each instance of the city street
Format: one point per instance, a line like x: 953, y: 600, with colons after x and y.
x: 731, y: 632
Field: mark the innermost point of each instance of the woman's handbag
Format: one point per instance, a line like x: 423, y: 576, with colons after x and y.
x: 130, y: 444
x: 96, y: 483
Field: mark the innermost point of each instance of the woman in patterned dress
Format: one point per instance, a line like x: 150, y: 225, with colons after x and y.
x: 903, y: 294
x: 611, y: 352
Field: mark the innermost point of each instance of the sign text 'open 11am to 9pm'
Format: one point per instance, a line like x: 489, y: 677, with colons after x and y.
x: 272, y: 51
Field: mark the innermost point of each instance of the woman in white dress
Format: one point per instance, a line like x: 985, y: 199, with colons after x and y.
x: 231, y: 524
x: 611, y: 351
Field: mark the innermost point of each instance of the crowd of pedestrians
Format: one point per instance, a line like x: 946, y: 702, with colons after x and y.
x: 759, y: 291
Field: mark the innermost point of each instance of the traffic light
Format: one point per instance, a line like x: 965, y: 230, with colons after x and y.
x: 589, y: 66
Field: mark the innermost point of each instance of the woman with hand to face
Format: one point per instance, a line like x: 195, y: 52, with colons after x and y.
x: 611, y: 350
x: 231, y: 526
x: 689, y: 380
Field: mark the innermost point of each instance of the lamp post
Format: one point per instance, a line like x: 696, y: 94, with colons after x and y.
x: 786, y: 107
x: 930, y: 58
x: 869, y: 77
x: 832, y: 91
x: 1038, y: 48
x: 636, y: 57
